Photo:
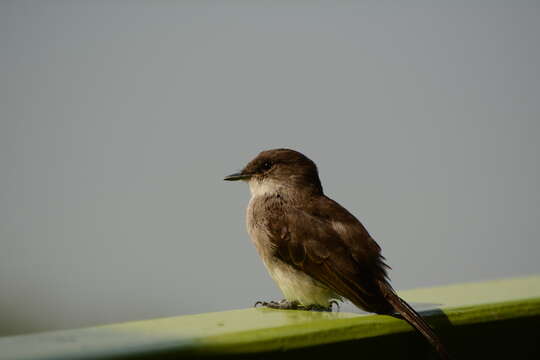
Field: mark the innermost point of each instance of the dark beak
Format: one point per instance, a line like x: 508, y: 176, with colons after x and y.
x: 237, y: 176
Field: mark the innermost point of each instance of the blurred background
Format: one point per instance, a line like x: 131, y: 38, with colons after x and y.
x: 119, y: 119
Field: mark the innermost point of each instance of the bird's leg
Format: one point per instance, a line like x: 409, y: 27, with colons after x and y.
x: 283, y: 304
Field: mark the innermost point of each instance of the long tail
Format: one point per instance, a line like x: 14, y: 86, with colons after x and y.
x: 413, y: 318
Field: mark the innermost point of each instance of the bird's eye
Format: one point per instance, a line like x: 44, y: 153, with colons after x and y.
x: 266, y: 165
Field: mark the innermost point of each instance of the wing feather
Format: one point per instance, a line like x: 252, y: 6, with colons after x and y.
x: 348, y: 262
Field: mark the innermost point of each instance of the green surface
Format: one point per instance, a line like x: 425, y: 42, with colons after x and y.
x: 264, y: 331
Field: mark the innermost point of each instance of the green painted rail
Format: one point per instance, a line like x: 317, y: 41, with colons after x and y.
x: 495, y: 319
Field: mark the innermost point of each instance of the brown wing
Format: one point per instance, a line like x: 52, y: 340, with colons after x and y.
x: 328, y: 243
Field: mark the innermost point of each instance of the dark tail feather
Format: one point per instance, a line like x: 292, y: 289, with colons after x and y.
x: 413, y: 318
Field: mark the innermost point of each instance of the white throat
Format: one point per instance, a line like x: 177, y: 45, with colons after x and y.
x: 263, y: 188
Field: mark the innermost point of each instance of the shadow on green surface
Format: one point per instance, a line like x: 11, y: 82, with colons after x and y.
x: 506, y: 339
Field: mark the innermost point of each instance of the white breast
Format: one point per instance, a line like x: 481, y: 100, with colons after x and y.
x: 297, y: 286
x: 294, y: 284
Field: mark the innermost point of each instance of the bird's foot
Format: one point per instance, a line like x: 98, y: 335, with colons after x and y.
x: 315, y: 307
x: 331, y: 306
x: 283, y: 304
x: 295, y: 305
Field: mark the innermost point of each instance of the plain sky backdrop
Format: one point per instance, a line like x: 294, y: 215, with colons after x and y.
x: 119, y: 119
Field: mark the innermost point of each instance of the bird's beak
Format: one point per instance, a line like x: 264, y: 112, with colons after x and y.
x: 237, y: 176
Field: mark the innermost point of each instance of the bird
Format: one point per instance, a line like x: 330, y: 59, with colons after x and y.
x: 315, y: 250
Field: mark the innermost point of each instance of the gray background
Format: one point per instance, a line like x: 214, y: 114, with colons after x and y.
x: 119, y: 120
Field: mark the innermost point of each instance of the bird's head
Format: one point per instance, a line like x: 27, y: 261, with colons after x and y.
x: 280, y: 168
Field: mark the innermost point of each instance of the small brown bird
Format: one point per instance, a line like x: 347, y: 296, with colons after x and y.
x: 315, y: 250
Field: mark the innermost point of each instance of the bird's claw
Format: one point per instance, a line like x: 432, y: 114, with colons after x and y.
x: 332, y: 303
x: 294, y: 305
x: 315, y: 307
x: 283, y: 304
